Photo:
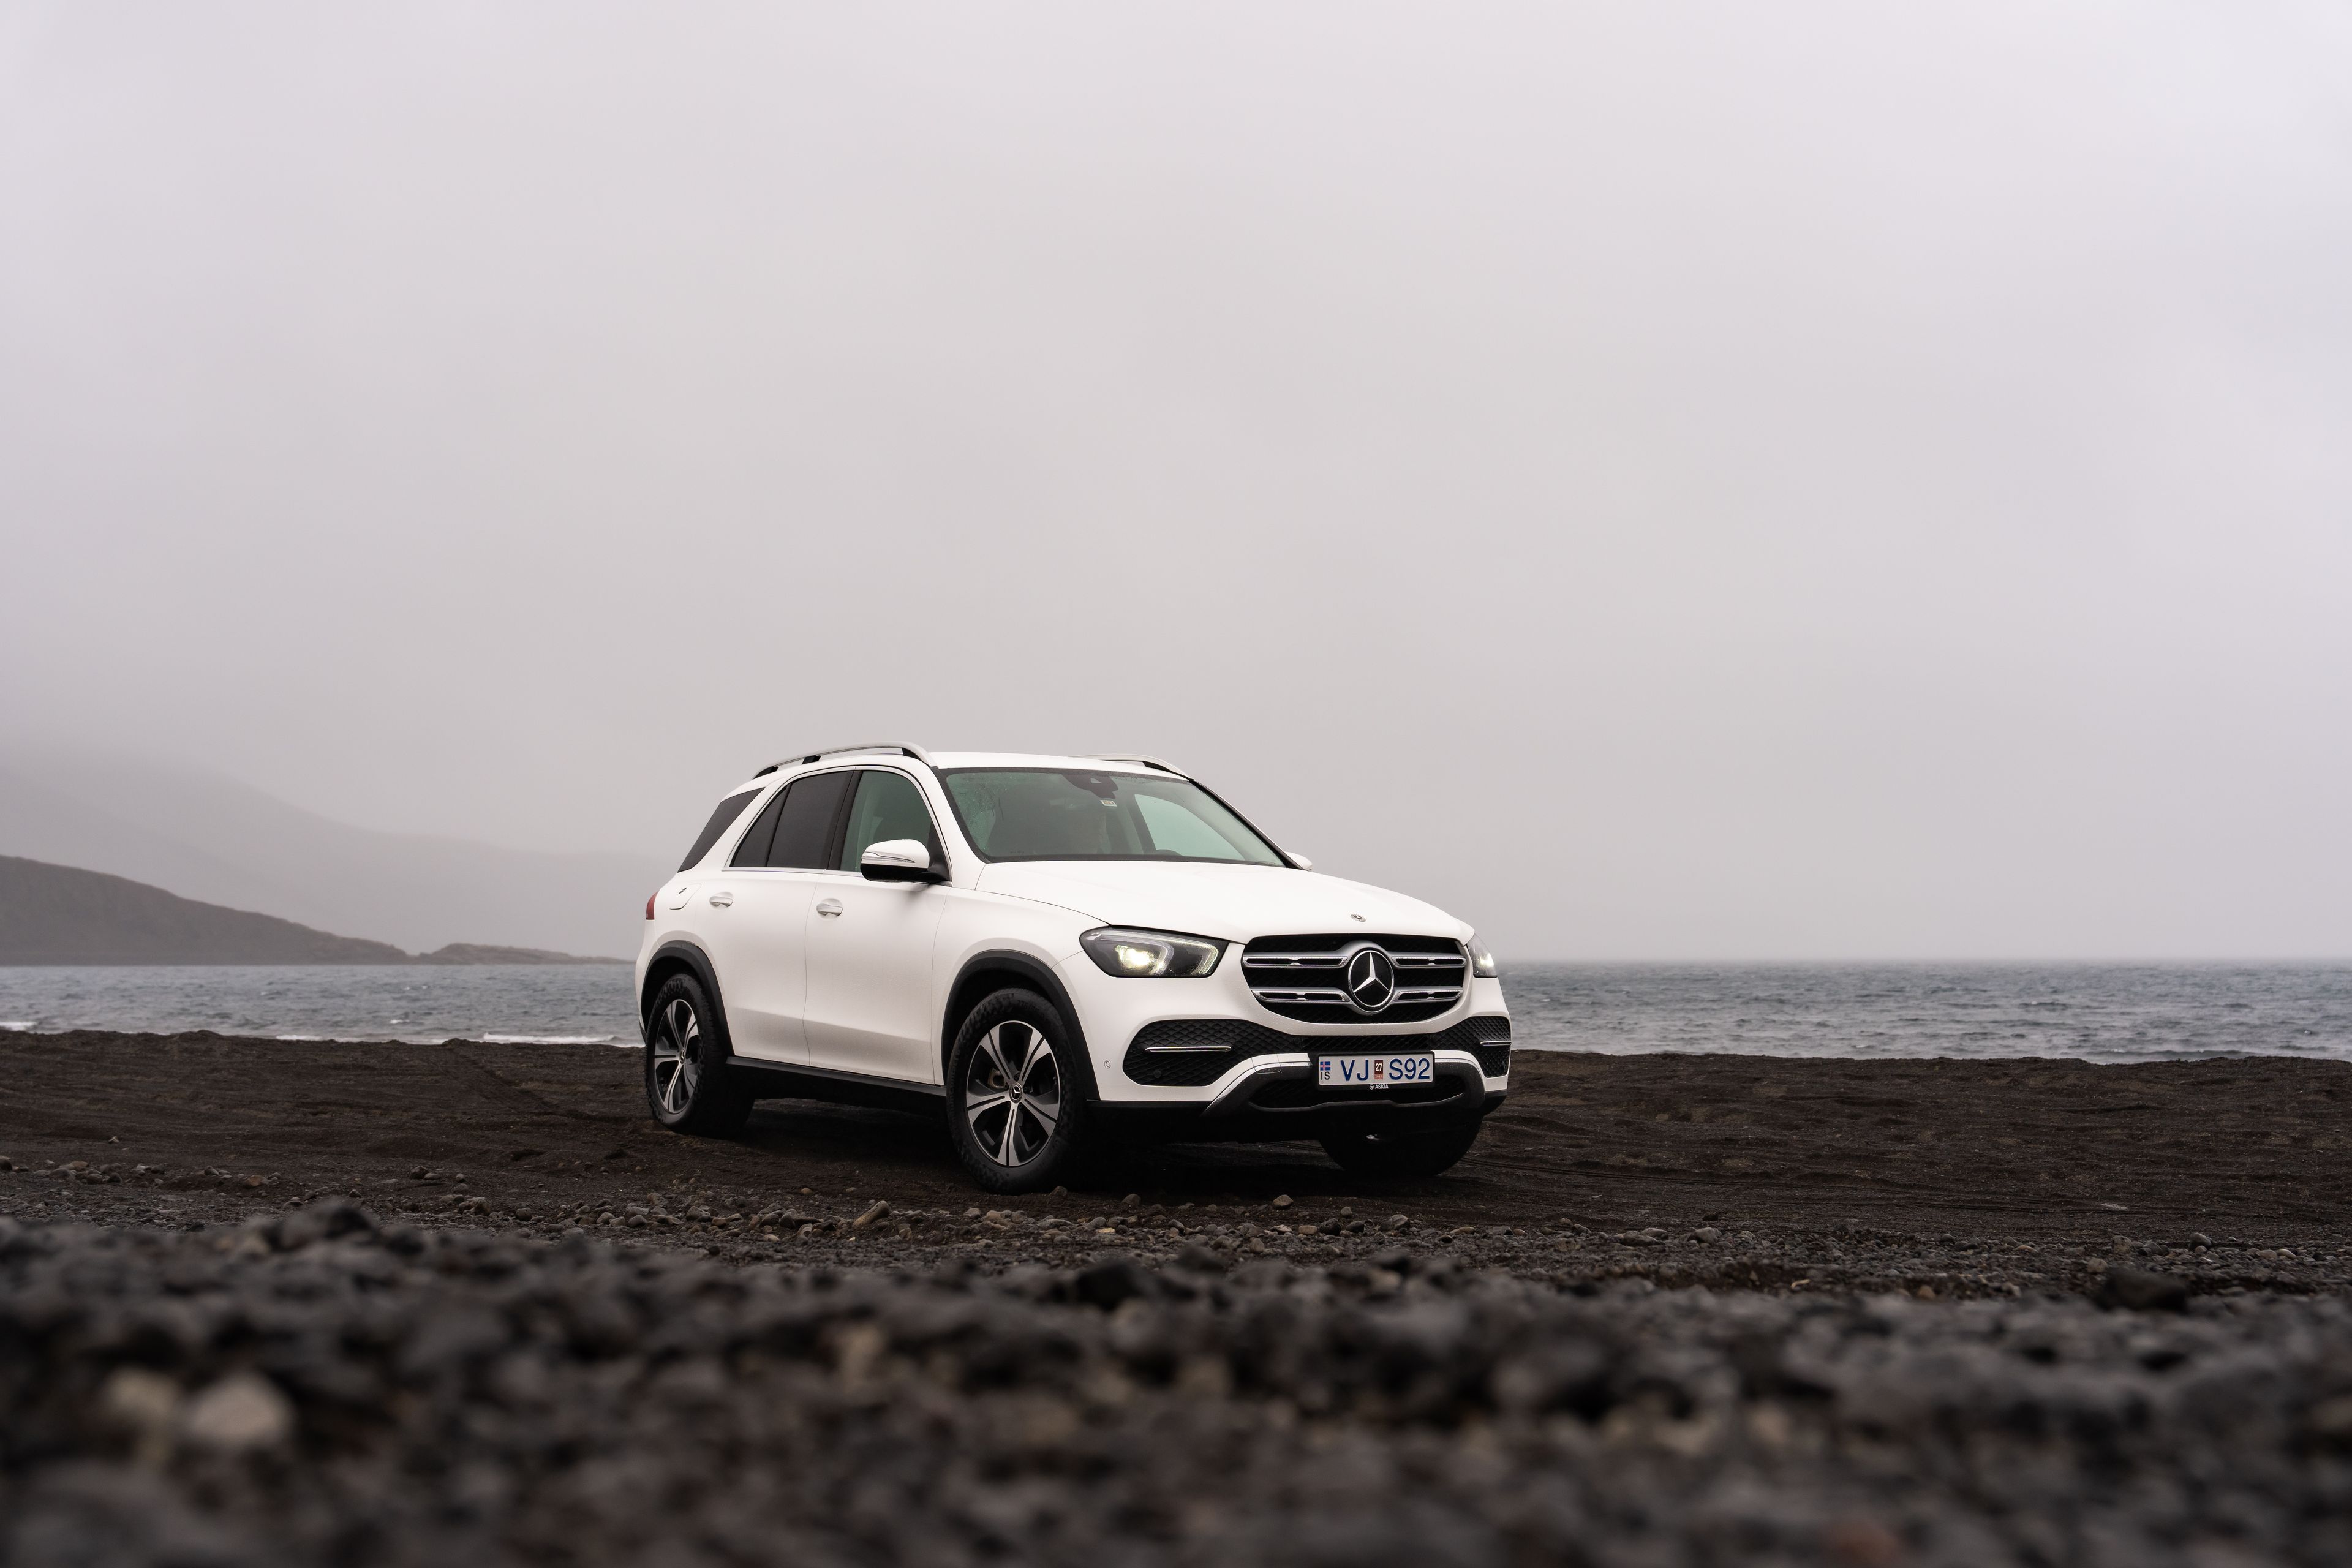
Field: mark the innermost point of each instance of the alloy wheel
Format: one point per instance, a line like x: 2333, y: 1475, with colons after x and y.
x: 678, y: 1057
x: 1012, y: 1093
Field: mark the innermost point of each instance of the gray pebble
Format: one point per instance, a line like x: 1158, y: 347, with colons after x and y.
x: 457, y: 1396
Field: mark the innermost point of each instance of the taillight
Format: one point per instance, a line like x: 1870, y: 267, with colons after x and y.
x: 650, y: 902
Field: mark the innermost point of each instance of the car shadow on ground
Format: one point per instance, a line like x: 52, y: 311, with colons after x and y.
x: 876, y: 1145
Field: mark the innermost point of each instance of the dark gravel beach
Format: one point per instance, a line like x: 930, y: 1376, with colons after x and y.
x: 288, y: 1301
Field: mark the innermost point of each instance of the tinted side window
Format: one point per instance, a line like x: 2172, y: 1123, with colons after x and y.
x: 888, y: 807
x: 720, y: 821
x: 805, y: 825
x: 752, y: 848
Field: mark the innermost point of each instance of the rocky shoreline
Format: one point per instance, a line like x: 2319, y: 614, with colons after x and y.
x: 418, y: 1302
x: 314, y: 1387
x: 1054, y: 1229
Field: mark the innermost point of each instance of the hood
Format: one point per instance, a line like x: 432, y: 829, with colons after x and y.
x: 1234, y: 902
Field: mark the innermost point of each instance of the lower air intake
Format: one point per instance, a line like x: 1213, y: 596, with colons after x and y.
x: 1193, y: 1051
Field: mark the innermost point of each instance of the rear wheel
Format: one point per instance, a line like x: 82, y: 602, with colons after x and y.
x: 1423, y: 1154
x: 687, y: 1085
x: 1014, y: 1106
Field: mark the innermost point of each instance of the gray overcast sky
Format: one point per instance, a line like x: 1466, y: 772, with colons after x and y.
x: 1661, y: 480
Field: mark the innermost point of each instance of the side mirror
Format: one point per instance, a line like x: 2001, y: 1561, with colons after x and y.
x: 1301, y: 861
x: 899, y: 860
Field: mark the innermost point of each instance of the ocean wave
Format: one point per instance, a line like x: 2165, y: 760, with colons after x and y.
x: 547, y: 1039
x: 18, y: 1025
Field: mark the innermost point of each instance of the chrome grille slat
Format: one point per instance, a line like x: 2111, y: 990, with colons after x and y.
x: 1292, y: 976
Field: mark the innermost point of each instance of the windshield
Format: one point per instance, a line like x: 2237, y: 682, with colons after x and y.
x: 1044, y: 814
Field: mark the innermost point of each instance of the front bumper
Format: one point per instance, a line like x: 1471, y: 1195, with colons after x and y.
x: 1113, y: 1012
x: 1273, y: 1099
x: 1200, y: 1061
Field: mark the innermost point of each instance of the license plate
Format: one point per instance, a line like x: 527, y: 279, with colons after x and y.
x: 1373, y: 1072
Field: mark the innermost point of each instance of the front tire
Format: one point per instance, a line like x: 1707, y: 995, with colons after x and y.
x: 1016, y: 1109
x: 687, y: 1085
x: 1395, y: 1154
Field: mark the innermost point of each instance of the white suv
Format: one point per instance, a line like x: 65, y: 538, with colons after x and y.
x: 1059, y: 950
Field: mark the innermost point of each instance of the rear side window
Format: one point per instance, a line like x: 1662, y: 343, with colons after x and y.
x: 752, y: 849
x: 804, y: 826
x: 720, y: 821
x: 888, y: 807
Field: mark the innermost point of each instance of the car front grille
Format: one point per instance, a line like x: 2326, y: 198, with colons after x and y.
x: 1305, y: 977
x: 1189, y: 1052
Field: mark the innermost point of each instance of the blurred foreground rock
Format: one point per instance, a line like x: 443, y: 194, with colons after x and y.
x: 315, y: 1389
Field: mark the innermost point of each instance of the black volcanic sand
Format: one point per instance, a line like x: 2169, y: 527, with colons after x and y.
x: 1914, y: 1312
x: 1965, y: 1178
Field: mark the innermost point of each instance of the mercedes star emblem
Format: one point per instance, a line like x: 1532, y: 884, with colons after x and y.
x: 1371, y: 979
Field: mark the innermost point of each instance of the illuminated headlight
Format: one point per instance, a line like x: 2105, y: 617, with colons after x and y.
x: 1152, y: 955
x: 1481, y: 963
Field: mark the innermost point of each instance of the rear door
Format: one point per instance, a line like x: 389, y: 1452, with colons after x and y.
x: 869, y: 944
x: 757, y: 923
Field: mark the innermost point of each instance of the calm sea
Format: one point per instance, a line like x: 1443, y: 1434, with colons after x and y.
x: 586, y: 1004
x: 2104, y: 1013
x: 2101, y: 1012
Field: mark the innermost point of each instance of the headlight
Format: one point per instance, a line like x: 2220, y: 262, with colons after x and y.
x: 1152, y: 955
x: 1481, y: 963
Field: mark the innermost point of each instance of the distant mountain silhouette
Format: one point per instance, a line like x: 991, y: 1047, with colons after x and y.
x: 204, y: 837
x: 61, y: 914
x: 480, y: 952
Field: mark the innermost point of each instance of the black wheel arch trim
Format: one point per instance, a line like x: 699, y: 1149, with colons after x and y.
x: 1035, y: 971
x: 670, y: 955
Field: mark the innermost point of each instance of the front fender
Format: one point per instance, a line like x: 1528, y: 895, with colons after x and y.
x: 987, y: 971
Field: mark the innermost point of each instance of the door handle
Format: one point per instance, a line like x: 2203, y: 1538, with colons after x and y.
x: 828, y: 906
x: 722, y: 899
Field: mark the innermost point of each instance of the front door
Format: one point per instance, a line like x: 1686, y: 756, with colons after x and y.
x: 869, y: 945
